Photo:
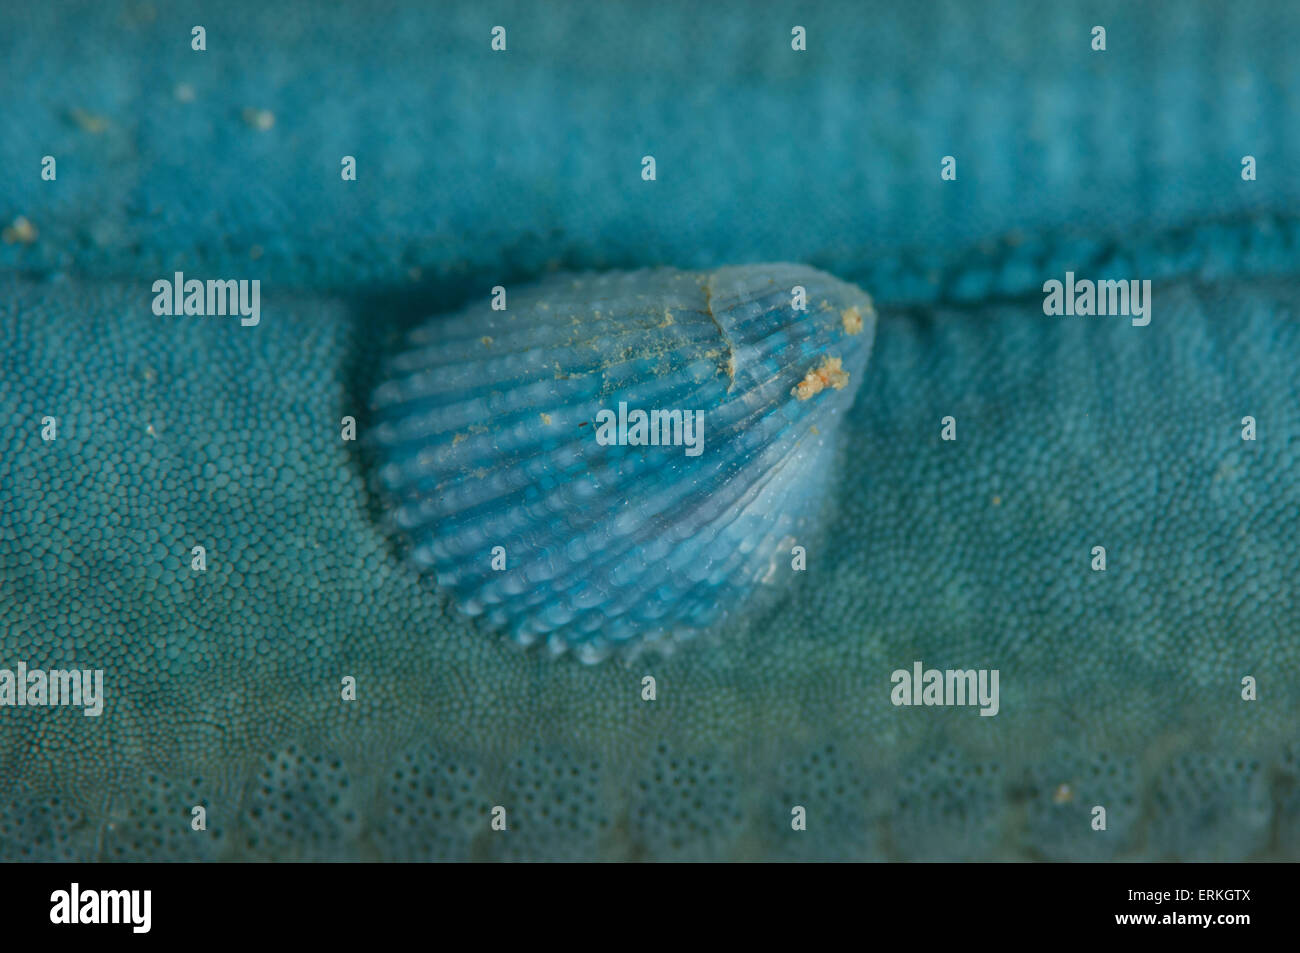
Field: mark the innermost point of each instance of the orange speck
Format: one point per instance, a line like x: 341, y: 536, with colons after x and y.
x: 830, y: 373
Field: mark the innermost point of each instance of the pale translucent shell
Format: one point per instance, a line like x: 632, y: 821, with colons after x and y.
x: 486, y: 424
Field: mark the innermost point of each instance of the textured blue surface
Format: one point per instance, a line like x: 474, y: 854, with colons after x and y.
x: 474, y: 165
x: 1119, y: 688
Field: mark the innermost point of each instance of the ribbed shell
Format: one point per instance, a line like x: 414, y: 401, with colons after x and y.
x: 486, y: 423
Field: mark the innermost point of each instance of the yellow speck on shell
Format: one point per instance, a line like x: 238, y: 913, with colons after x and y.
x: 830, y: 373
